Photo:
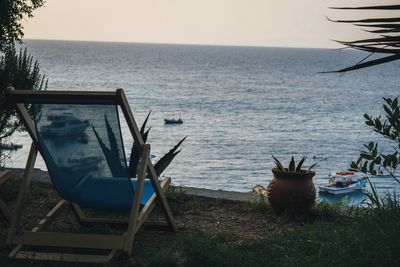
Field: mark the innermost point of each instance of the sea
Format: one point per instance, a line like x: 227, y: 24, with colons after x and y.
x: 239, y: 105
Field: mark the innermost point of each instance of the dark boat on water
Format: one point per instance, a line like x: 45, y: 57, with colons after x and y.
x: 173, y: 121
x: 10, y: 146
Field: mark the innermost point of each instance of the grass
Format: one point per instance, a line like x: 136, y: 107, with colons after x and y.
x: 225, y: 233
x: 354, y: 243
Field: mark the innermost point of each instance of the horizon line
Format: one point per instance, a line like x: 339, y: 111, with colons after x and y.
x: 188, y: 44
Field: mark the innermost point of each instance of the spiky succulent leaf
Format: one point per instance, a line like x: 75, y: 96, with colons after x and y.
x: 111, y: 154
x: 292, y: 165
x: 134, y: 161
x: 164, y: 162
x: 312, y: 166
x: 144, y: 124
x: 111, y: 137
x: 135, y: 157
x: 298, y: 168
x: 145, y: 135
x: 278, y: 163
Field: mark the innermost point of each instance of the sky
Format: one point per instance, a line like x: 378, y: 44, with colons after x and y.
x: 285, y: 23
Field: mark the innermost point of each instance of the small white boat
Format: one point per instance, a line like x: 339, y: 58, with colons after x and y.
x: 344, y: 182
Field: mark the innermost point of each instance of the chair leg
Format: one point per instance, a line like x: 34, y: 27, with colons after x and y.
x: 23, y: 191
x: 148, y: 208
x: 4, y: 176
x: 161, y: 197
x: 150, y: 168
x: 4, y: 210
x: 78, y: 212
x: 133, y: 216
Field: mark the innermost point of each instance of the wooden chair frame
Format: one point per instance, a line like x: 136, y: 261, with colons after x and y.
x: 4, y: 210
x: 137, y: 216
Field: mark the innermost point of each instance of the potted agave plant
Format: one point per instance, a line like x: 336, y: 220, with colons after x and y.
x: 291, y: 189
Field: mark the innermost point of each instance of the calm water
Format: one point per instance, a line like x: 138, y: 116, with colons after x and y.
x: 239, y: 104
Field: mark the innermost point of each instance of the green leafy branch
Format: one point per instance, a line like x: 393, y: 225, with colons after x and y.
x: 370, y: 160
x: 390, y: 127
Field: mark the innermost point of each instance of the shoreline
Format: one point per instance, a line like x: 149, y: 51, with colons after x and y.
x: 43, y: 177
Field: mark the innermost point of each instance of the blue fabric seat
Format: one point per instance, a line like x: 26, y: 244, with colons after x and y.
x: 109, y: 193
x: 83, y: 149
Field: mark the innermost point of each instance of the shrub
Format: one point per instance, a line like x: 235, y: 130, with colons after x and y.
x: 371, y: 159
x: 22, y: 72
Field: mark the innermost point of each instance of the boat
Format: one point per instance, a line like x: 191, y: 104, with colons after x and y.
x: 10, y: 146
x: 64, y: 124
x: 344, y: 182
x: 173, y: 121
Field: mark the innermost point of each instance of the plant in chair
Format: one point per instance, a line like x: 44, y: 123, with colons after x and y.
x: 112, y: 158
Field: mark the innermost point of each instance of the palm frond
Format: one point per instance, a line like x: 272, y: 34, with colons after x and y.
x: 379, y: 20
x: 383, y: 39
x: 379, y: 25
x: 388, y: 41
x: 370, y: 63
x: 371, y: 48
x: 392, y: 30
x: 384, y: 7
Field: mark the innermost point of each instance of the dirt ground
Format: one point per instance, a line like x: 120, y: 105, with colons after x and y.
x: 241, y: 220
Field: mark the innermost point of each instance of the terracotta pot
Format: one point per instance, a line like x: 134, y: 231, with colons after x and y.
x: 291, y: 191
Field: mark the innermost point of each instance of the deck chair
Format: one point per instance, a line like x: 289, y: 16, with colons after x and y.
x: 79, y: 137
x: 4, y: 210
